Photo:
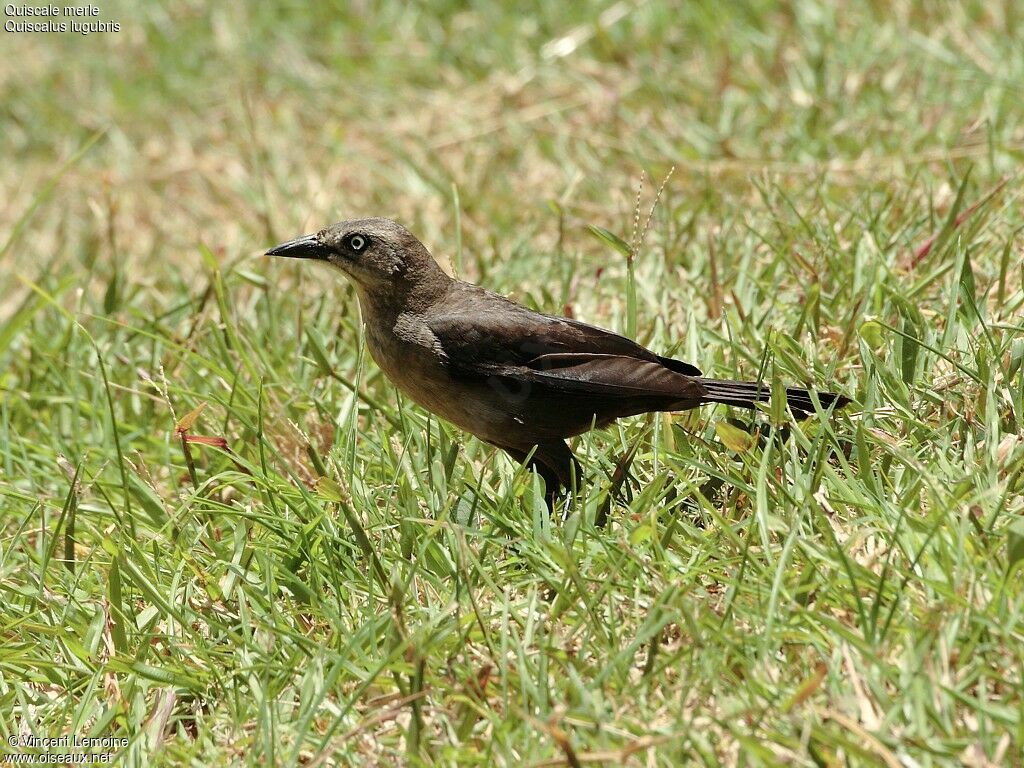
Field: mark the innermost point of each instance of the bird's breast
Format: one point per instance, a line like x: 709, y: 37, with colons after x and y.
x: 412, y: 358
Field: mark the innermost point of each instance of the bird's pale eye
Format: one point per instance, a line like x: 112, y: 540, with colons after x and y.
x: 357, y: 243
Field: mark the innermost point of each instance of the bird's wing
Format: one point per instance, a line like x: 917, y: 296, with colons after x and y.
x: 567, y: 356
x: 613, y: 375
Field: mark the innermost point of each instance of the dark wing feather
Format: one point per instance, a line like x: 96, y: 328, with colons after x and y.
x: 489, y: 332
x: 556, y: 377
x: 612, y: 375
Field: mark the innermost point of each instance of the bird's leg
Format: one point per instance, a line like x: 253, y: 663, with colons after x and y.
x: 551, y: 483
x: 562, y: 463
x: 618, y: 479
x: 555, y: 463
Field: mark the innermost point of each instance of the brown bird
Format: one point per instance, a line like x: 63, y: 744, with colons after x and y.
x: 515, y: 378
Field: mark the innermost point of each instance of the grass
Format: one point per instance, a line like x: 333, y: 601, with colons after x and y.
x: 333, y: 576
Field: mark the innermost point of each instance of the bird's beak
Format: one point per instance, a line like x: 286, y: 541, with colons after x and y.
x: 308, y: 247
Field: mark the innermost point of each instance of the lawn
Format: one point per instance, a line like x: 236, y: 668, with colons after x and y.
x: 227, y: 539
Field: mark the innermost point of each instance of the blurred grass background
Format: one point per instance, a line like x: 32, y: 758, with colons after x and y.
x: 849, y: 595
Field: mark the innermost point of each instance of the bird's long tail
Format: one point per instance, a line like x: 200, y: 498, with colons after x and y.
x: 745, y: 394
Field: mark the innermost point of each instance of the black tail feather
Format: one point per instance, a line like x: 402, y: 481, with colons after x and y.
x: 745, y: 394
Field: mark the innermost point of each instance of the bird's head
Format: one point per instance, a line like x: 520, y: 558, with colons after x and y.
x: 379, y: 255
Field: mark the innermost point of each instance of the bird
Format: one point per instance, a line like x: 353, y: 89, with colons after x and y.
x: 518, y: 379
